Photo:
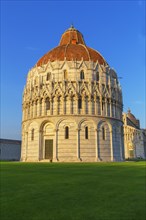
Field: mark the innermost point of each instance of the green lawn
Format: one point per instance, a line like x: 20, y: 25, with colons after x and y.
x: 67, y: 191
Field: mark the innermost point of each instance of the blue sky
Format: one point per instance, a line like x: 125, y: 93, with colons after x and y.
x: 31, y: 28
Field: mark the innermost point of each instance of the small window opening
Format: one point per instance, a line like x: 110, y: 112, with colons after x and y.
x: 86, y: 132
x: 103, y: 133
x: 66, y: 132
x: 82, y: 75
x: 32, y: 134
x: 79, y: 103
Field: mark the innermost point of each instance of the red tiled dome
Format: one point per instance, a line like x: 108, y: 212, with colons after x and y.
x: 72, y: 47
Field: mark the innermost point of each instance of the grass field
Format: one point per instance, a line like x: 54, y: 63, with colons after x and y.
x: 73, y: 191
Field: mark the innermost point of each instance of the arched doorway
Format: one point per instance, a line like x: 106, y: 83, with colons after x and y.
x: 48, y: 148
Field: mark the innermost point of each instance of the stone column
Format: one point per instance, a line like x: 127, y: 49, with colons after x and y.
x: 111, y: 140
x: 98, y: 106
x: 96, y: 146
x: 63, y: 105
x: 43, y: 107
x: 78, y: 144
x: 83, y: 105
x: 90, y: 105
x: 57, y: 105
x: 117, y: 109
x: 51, y: 106
x: 114, y: 109
x: 70, y: 105
x: 120, y: 144
x: 40, y: 157
x: 77, y: 112
x: 95, y: 105
x: 28, y: 111
x: 32, y: 111
x: 106, y: 107
x: 111, y: 115
x: 26, y: 145
x: 101, y: 112
x: 55, y: 109
x: 38, y: 108
x: 55, y: 146
x: 35, y: 109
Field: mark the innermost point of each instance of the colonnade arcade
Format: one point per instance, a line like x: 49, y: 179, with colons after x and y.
x: 87, y: 139
x: 98, y: 101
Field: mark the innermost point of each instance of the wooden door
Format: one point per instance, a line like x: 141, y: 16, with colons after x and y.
x: 49, y: 149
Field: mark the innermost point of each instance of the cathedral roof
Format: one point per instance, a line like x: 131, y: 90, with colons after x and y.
x: 72, y: 47
x: 133, y: 119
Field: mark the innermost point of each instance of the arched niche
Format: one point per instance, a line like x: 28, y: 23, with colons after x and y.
x: 104, y: 141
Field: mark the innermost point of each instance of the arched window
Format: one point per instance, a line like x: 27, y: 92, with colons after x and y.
x: 66, y: 132
x: 97, y: 76
x: 103, y: 133
x: 82, y: 74
x: 47, y: 104
x: 79, y: 103
x: 32, y: 134
x: 86, y: 132
x: 65, y: 74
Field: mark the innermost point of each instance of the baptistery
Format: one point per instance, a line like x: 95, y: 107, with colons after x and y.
x: 72, y: 106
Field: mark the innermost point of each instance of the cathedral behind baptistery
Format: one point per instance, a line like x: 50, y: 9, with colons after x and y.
x: 72, y: 106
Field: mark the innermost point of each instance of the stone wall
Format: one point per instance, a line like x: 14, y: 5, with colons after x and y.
x: 10, y: 149
x: 99, y: 143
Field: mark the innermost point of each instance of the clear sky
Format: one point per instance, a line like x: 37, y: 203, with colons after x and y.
x: 31, y: 28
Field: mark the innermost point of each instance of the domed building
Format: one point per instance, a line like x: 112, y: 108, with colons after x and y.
x: 72, y: 106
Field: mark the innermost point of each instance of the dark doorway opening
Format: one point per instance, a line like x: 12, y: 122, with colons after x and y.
x: 49, y: 149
